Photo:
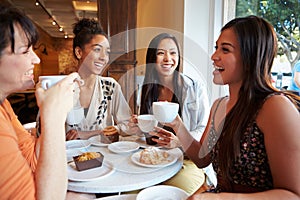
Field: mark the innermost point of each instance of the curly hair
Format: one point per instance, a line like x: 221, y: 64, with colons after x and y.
x: 84, y: 30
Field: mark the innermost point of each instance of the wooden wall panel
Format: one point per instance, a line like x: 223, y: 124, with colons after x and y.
x: 118, y: 18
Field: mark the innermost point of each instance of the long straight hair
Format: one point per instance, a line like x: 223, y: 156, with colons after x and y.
x: 151, y: 82
x: 258, y: 44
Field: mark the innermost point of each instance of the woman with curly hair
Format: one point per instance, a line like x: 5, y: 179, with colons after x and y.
x: 100, y: 97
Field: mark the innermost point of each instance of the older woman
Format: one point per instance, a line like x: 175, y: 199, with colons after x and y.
x: 30, y: 168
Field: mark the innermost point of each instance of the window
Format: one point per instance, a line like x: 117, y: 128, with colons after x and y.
x: 284, y: 16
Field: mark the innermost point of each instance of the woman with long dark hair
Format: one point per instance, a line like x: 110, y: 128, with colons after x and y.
x: 252, y: 134
x: 164, y: 82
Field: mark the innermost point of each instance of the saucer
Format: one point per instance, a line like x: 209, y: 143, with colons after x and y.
x: 77, y: 144
x: 123, y: 147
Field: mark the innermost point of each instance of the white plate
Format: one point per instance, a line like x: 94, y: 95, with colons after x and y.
x: 123, y: 146
x: 73, y: 152
x: 90, y: 174
x: 96, y: 141
x: 162, y: 192
x: 120, y: 197
x: 170, y: 160
x: 77, y: 144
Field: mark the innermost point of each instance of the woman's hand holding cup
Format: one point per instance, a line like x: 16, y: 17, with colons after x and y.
x: 147, y: 123
x: 165, y: 138
x: 57, y: 99
x: 133, y: 128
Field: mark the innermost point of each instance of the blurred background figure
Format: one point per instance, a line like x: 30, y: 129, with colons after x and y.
x: 295, y: 81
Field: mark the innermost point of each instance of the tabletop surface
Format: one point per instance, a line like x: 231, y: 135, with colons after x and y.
x: 127, y: 176
x: 120, y: 197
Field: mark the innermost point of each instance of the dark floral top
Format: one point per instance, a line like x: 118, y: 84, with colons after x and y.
x: 251, y: 169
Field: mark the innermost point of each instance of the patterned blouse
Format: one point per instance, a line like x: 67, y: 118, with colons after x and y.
x: 108, y: 107
x: 251, y: 171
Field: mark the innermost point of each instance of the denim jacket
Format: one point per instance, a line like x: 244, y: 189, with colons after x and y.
x: 196, y: 107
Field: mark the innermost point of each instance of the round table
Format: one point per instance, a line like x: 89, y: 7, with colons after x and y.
x: 127, y: 176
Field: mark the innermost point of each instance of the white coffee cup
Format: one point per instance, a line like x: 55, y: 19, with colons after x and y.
x: 48, y: 81
x: 165, y: 112
x: 147, y: 122
x: 75, y: 115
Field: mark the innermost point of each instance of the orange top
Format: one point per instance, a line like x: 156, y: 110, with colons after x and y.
x: 17, y: 157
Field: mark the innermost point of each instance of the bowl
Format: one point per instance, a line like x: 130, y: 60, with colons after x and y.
x: 162, y: 192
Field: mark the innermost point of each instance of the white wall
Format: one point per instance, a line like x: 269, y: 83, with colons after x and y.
x: 203, y: 20
x: 195, y: 23
x: 153, y: 18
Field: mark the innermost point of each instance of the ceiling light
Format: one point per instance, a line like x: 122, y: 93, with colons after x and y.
x: 54, y: 22
x: 87, y: 6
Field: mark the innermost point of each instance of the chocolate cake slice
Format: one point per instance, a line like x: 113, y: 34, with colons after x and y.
x: 88, y: 160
